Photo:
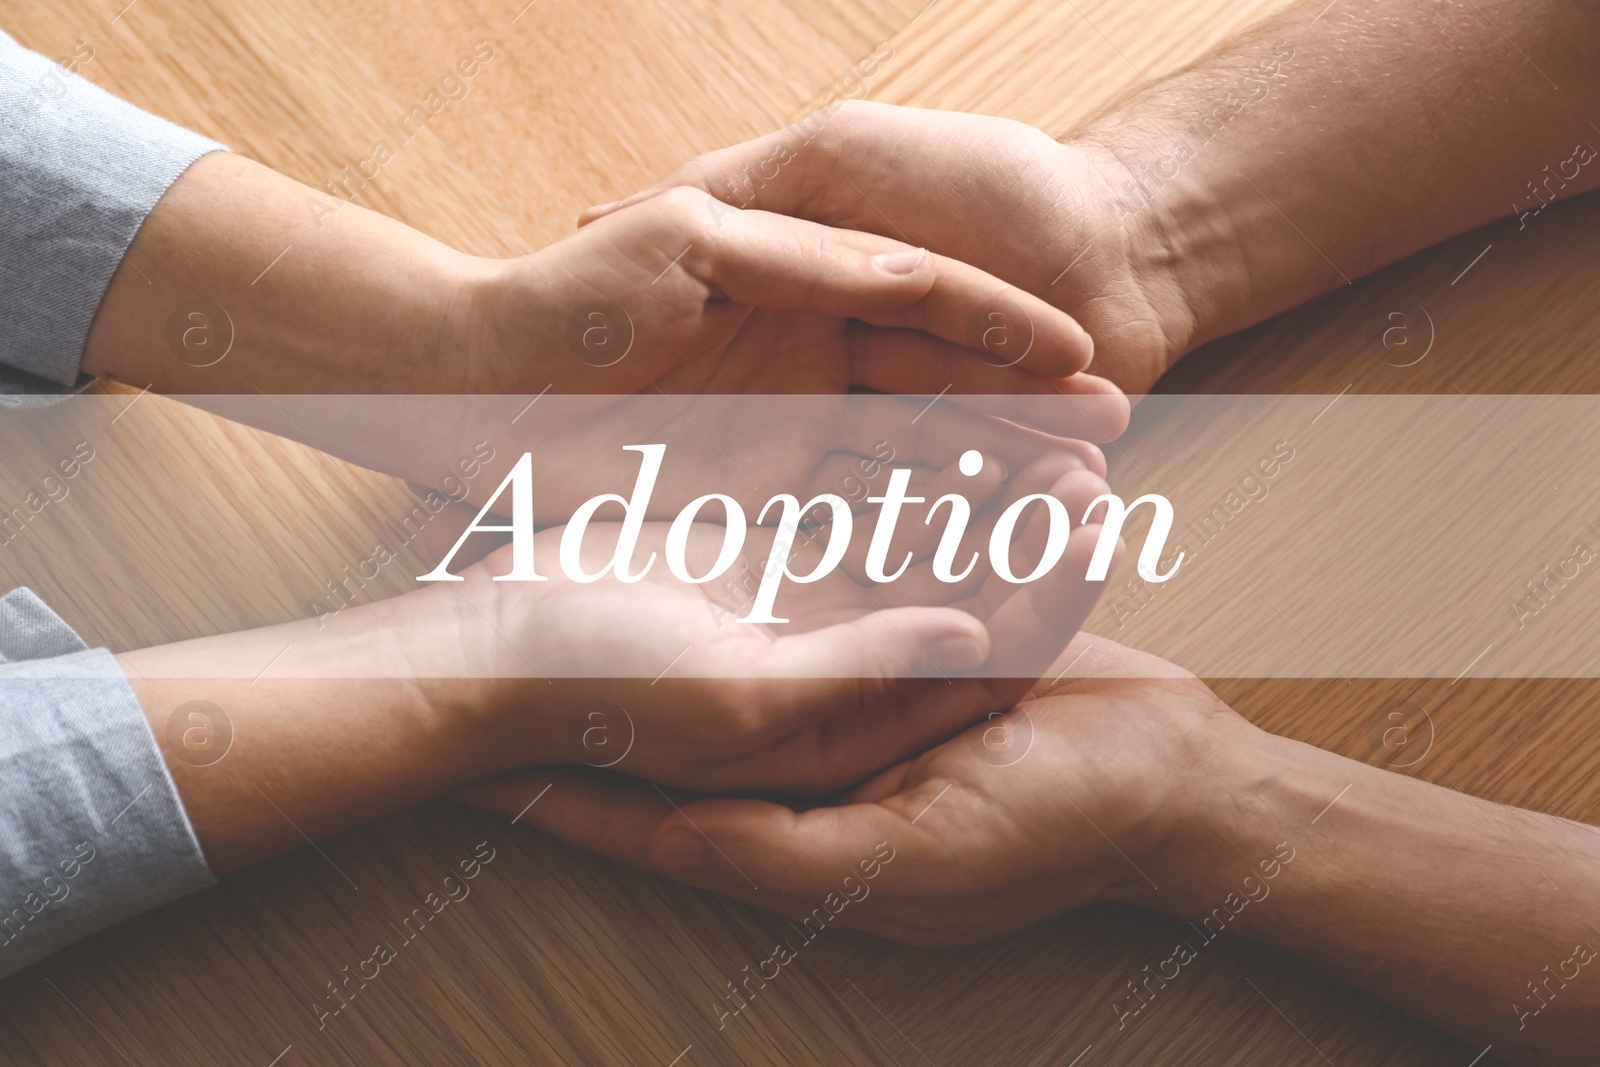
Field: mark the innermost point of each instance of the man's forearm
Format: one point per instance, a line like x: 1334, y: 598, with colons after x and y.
x: 1335, y: 138
x: 1479, y: 917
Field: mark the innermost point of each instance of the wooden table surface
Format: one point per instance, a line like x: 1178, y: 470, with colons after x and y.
x: 560, y: 957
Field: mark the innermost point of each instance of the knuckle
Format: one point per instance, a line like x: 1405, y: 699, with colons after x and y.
x: 681, y: 210
x: 744, y: 723
x: 875, y: 688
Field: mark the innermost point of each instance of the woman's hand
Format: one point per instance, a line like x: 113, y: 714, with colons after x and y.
x: 1056, y: 220
x: 688, y: 295
x: 246, y: 297
x: 660, y: 313
x: 658, y: 678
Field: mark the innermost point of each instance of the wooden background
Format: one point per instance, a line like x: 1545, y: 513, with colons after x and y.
x: 558, y: 957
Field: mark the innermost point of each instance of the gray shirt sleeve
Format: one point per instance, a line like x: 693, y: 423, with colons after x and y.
x: 93, y: 829
x: 79, y: 172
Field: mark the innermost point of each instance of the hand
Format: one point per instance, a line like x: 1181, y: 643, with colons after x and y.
x: 756, y: 305
x: 657, y: 679
x: 691, y: 296
x: 995, y: 193
x: 682, y: 295
x: 1075, y: 796
x: 760, y: 304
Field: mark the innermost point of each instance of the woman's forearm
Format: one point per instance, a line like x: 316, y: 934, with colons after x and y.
x: 288, y: 733
x: 1335, y: 138
x: 242, y: 279
x: 1468, y: 913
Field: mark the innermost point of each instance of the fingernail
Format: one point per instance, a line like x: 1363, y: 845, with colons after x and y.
x: 958, y: 652
x: 681, y: 849
x: 905, y: 262
x: 601, y: 207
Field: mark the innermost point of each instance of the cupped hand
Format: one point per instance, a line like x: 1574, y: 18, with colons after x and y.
x: 658, y: 314
x: 658, y: 678
x: 679, y: 292
x: 638, y: 329
x: 1075, y: 796
x: 1061, y: 221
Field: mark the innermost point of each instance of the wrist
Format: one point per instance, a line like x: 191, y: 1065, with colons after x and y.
x: 482, y: 716
x: 1238, y: 817
x: 1177, y: 237
x: 507, y: 328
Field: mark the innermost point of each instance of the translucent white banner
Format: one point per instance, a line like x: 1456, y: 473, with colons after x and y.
x: 1310, y: 536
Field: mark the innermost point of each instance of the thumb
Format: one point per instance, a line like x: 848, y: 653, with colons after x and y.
x: 777, y: 858
x: 1035, y: 623
x: 600, y: 211
x: 850, y: 666
x: 774, y: 261
x: 759, y: 852
x: 730, y: 175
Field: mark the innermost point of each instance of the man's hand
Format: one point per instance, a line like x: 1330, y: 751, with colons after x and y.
x: 1066, y: 800
x: 998, y: 194
x: 1228, y: 192
x: 1125, y: 779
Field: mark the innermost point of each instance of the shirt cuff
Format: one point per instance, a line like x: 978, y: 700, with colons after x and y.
x: 80, y: 170
x: 95, y: 830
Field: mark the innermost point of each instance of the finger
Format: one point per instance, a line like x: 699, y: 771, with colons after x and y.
x: 790, y: 861
x: 1082, y: 406
x: 762, y: 853
x: 857, y: 666
x: 918, y: 716
x: 886, y: 783
x: 1008, y: 327
x: 1056, y: 471
x: 895, y: 360
x: 1036, y: 622
x: 774, y: 261
x: 689, y: 175
x: 936, y: 432
x: 711, y: 173
x: 716, y: 844
x: 911, y: 362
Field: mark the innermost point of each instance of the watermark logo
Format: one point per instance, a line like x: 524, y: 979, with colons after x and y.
x: 1403, y: 731
x: 1406, y: 340
x: 600, y: 333
x: 604, y: 731
x: 200, y: 333
x: 1003, y: 331
x: 199, y: 733
x: 1006, y: 737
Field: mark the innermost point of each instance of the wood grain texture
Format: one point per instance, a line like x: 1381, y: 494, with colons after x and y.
x: 558, y: 956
